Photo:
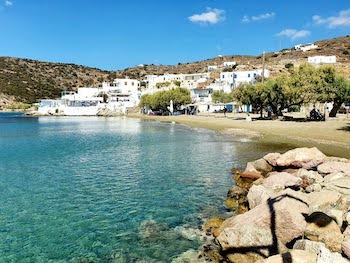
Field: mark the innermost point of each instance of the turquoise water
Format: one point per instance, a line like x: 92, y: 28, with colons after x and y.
x: 109, y: 189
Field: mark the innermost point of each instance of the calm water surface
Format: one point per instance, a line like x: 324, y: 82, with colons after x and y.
x: 109, y: 189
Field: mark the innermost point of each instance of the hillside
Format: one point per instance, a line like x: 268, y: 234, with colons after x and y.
x: 275, y: 61
x: 27, y: 80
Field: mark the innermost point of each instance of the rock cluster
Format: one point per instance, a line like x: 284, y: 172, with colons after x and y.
x: 291, y: 207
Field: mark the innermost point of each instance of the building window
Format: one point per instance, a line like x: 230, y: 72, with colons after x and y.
x: 234, y: 76
x: 125, y: 83
x: 248, y: 75
x: 132, y: 83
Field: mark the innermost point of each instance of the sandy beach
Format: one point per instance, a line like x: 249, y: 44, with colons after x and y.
x: 332, y: 136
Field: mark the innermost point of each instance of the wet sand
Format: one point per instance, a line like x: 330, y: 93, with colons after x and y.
x: 332, y: 136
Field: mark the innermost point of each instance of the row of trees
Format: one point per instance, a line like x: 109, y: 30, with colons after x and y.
x: 303, y: 85
x: 161, y: 99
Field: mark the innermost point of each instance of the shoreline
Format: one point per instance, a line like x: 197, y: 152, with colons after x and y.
x: 331, y: 137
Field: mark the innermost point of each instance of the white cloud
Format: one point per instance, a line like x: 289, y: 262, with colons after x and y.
x: 8, y: 3
x: 247, y: 19
x: 212, y: 16
x: 343, y: 19
x: 293, y: 33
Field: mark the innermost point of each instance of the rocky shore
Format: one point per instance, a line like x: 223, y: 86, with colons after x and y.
x: 290, y: 207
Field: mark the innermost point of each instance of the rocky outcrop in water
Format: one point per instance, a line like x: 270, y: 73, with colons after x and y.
x: 290, y: 207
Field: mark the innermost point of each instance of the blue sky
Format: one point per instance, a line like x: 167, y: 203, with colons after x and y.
x: 114, y: 34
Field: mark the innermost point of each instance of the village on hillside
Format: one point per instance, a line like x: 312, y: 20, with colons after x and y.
x: 125, y: 94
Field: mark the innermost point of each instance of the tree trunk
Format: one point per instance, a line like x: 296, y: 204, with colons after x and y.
x: 336, y: 107
x: 261, y: 112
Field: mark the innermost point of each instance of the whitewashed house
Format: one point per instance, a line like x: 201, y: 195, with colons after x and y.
x: 152, y: 80
x: 212, y: 68
x: 191, y: 81
x: 228, y: 64
x: 227, y: 77
x: 322, y: 60
x: 116, y: 97
x: 305, y: 47
x: 201, y: 95
x: 250, y: 76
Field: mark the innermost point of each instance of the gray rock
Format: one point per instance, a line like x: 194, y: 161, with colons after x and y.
x: 271, y: 158
x: 281, y: 180
x: 341, y: 185
x: 310, y: 176
x: 330, y: 235
x: 301, y: 158
x: 334, y: 166
x: 324, y: 255
x: 298, y: 256
x: 254, y: 228
x: 333, y: 176
x: 326, y: 200
x: 257, y: 195
x: 259, y: 165
x: 313, y: 188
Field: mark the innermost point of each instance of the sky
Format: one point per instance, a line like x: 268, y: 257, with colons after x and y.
x: 115, y: 34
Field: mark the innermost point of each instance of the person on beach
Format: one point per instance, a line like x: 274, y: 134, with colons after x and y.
x: 225, y: 110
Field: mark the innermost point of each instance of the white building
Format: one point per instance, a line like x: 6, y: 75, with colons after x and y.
x: 322, y: 59
x: 116, y: 97
x: 227, y: 77
x: 201, y: 96
x: 305, y: 47
x: 227, y: 64
x: 212, y: 68
x: 152, y: 80
x: 236, y: 78
x: 191, y: 81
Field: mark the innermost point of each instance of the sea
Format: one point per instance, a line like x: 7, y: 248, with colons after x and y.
x: 117, y: 189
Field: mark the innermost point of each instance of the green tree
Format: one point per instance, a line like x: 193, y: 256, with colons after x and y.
x: 250, y: 94
x: 161, y: 99
x: 222, y: 97
x: 335, y: 89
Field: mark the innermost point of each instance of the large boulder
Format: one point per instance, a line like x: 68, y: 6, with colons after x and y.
x: 259, y: 166
x: 295, y: 255
x: 329, y: 234
x: 334, y: 166
x: 326, y: 200
x: 273, y: 224
x: 323, y: 254
x: 333, y: 176
x: 341, y: 185
x: 271, y: 158
x: 281, y: 180
x: 257, y: 195
x: 301, y: 158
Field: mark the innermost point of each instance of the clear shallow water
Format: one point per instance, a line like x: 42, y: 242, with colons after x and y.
x: 108, y: 188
